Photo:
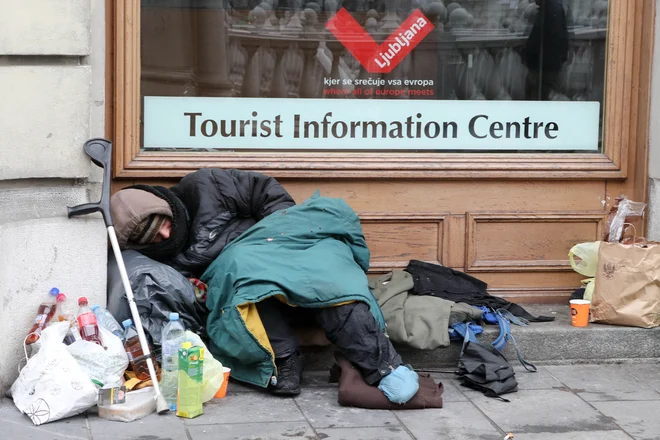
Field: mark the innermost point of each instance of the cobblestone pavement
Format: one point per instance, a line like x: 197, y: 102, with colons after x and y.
x: 604, y: 402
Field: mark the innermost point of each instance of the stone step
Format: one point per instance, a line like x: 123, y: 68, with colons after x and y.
x: 544, y: 343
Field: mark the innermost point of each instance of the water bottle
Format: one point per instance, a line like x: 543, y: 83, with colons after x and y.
x: 174, y: 334
x: 107, y: 321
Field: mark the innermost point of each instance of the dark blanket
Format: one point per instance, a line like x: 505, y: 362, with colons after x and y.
x: 446, y: 283
x: 354, y: 391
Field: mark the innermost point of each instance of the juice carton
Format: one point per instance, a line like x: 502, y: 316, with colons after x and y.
x: 191, y: 385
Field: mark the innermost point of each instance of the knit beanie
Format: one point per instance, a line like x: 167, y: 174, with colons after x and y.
x: 138, y: 216
x: 147, y: 230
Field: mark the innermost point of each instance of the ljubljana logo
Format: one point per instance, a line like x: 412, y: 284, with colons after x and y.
x: 385, y: 57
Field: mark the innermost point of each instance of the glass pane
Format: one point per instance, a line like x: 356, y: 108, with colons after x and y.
x: 409, y: 75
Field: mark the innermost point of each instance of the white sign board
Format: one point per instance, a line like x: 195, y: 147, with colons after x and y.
x: 368, y: 124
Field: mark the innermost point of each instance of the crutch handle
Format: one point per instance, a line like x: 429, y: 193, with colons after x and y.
x: 100, y: 151
x: 84, y: 209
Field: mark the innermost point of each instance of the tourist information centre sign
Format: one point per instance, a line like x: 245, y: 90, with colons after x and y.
x: 368, y: 124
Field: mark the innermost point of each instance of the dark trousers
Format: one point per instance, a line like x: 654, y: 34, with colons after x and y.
x: 350, y: 327
x: 540, y: 85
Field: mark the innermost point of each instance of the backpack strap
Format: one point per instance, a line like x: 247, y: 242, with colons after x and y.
x: 466, y: 332
x: 505, y: 329
x: 506, y: 336
x: 525, y: 363
x: 463, y: 329
x: 512, y: 318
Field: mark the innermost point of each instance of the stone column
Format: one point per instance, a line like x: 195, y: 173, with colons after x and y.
x: 251, y: 86
x: 307, y: 86
x: 278, y: 82
x: 212, y: 73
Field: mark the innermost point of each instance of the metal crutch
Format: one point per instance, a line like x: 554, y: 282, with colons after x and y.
x: 100, y: 151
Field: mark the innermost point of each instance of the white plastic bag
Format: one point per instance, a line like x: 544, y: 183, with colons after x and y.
x: 106, y: 367
x: 213, y: 373
x: 52, y: 386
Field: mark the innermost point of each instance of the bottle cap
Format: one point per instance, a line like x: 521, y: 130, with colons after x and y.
x: 127, y: 323
x: 174, y: 316
x: 186, y: 345
x: 82, y: 300
x: 95, y: 308
x: 61, y: 297
x: 54, y: 291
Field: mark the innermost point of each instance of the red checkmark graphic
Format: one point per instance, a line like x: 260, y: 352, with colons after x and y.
x: 373, y: 57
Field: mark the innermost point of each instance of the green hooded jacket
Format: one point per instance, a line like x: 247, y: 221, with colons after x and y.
x: 310, y: 255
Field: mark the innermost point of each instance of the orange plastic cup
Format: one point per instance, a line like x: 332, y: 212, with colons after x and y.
x: 580, y: 312
x: 222, y: 391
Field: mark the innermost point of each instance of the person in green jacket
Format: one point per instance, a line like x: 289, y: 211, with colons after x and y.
x: 269, y: 264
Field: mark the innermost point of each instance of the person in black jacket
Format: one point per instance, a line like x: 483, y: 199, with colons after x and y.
x: 188, y: 225
x: 546, y: 50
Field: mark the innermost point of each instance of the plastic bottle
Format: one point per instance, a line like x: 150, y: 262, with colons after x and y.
x: 73, y: 334
x: 65, y: 310
x: 64, y: 313
x: 89, y: 329
x: 45, y: 313
x: 107, y: 321
x: 136, y: 357
x: 174, y: 334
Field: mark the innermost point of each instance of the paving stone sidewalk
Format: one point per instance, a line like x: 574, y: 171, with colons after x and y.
x: 600, y: 402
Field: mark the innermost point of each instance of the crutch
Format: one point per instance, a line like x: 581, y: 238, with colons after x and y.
x: 100, y: 151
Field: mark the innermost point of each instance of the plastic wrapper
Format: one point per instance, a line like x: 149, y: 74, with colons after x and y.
x: 625, y: 209
x: 212, y: 370
x: 139, y: 404
x: 158, y: 289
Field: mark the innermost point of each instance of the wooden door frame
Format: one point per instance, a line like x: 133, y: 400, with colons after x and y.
x: 626, y: 102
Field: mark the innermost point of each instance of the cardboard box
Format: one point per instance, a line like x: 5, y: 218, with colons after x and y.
x: 191, y: 381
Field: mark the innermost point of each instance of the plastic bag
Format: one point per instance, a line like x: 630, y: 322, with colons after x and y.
x: 588, y: 254
x: 104, y: 366
x: 626, y: 208
x: 213, y: 371
x: 587, y: 265
x: 589, y: 285
x: 158, y: 289
x: 52, y: 385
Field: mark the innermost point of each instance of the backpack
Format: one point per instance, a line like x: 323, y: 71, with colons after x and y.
x: 483, y: 367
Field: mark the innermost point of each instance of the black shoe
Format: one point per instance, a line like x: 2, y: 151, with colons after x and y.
x: 289, y: 376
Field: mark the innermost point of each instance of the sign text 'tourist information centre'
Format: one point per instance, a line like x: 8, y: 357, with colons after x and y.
x: 365, y: 124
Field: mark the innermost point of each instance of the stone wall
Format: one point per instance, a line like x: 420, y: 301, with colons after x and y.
x: 52, y: 71
x: 653, y: 210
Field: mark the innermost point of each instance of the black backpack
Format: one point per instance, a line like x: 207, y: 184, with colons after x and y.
x: 484, y: 368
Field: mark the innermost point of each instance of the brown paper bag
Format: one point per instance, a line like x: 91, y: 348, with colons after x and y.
x: 627, y: 287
